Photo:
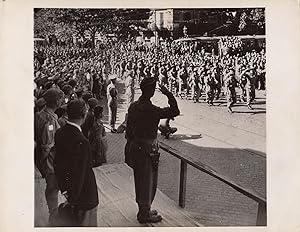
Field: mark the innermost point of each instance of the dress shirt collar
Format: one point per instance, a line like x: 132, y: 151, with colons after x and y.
x: 74, y: 124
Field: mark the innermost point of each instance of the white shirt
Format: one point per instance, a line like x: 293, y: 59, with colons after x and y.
x: 74, y: 124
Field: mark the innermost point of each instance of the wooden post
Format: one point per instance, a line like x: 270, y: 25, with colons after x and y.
x: 261, y: 214
x: 182, y: 186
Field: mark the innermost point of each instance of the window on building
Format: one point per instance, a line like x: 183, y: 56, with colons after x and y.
x: 212, y: 19
x: 161, y: 19
x: 204, y: 18
x: 187, y: 16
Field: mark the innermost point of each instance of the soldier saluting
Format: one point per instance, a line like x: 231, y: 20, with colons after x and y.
x: 141, y: 151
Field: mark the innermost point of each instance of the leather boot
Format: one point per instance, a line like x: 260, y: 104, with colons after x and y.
x: 145, y: 215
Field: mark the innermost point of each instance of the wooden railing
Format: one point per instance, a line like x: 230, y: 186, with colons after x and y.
x: 262, y: 209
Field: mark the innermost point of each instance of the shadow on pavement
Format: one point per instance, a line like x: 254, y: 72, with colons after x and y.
x: 249, y: 112
x: 184, y: 137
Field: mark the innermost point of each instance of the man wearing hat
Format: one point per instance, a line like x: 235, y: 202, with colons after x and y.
x: 112, y: 102
x: 141, y: 151
x: 45, y: 126
x: 73, y: 167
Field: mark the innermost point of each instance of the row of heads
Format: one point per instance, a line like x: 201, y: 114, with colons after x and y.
x: 54, y: 94
x: 77, y: 110
x: 74, y: 108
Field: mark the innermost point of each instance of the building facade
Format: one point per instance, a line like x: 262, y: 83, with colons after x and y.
x: 196, y: 21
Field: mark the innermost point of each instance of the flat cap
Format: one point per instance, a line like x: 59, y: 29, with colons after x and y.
x: 53, y: 94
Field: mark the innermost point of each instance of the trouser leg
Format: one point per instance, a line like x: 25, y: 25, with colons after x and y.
x: 112, y: 112
x: 145, y: 177
x: 193, y: 92
x: 154, y: 182
x: 51, y: 195
x: 114, y: 117
x: 143, y: 180
x: 51, y: 192
x: 252, y: 93
x: 86, y: 218
x: 248, y: 95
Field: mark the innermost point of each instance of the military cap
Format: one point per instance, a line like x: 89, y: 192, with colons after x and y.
x: 112, y: 76
x: 76, y: 109
x: 67, y: 89
x: 53, y: 94
x: 86, y: 96
x: 93, y: 102
x: 48, y: 84
x: 79, y: 90
x: 148, y: 83
x: 73, y: 83
x: 41, y: 81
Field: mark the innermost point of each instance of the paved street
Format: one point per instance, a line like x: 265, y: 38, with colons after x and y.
x: 232, y: 144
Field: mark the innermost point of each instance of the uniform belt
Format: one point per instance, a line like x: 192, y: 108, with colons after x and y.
x: 147, y: 141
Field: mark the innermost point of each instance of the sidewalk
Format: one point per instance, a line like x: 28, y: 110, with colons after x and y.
x: 117, y: 206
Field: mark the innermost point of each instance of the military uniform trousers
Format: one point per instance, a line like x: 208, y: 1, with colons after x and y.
x: 230, y: 96
x: 145, y: 172
x: 112, y: 112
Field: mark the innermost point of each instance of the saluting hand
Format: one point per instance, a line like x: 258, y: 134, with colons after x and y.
x: 164, y: 90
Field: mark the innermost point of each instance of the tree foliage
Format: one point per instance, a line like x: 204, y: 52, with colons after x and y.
x: 251, y: 20
x: 65, y: 23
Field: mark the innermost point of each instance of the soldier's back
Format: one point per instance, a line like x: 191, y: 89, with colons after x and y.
x: 143, y: 119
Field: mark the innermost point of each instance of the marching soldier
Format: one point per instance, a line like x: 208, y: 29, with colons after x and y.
x: 230, y: 84
x: 209, y: 87
x: 172, y: 79
x: 250, y: 87
x: 162, y: 75
x: 242, y: 84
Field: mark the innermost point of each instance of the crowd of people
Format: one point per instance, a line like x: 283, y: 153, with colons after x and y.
x: 70, y: 82
x: 186, y: 72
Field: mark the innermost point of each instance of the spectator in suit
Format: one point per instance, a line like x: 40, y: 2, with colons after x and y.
x: 73, y: 167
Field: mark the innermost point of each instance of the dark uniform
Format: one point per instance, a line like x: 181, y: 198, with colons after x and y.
x: 141, y: 151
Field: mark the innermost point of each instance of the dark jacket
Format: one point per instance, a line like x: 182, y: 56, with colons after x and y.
x: 142, y: 124
x: 73, y: 167
x: 143, y: 118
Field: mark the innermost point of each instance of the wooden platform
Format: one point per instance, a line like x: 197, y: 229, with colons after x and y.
x: 117, y: 206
